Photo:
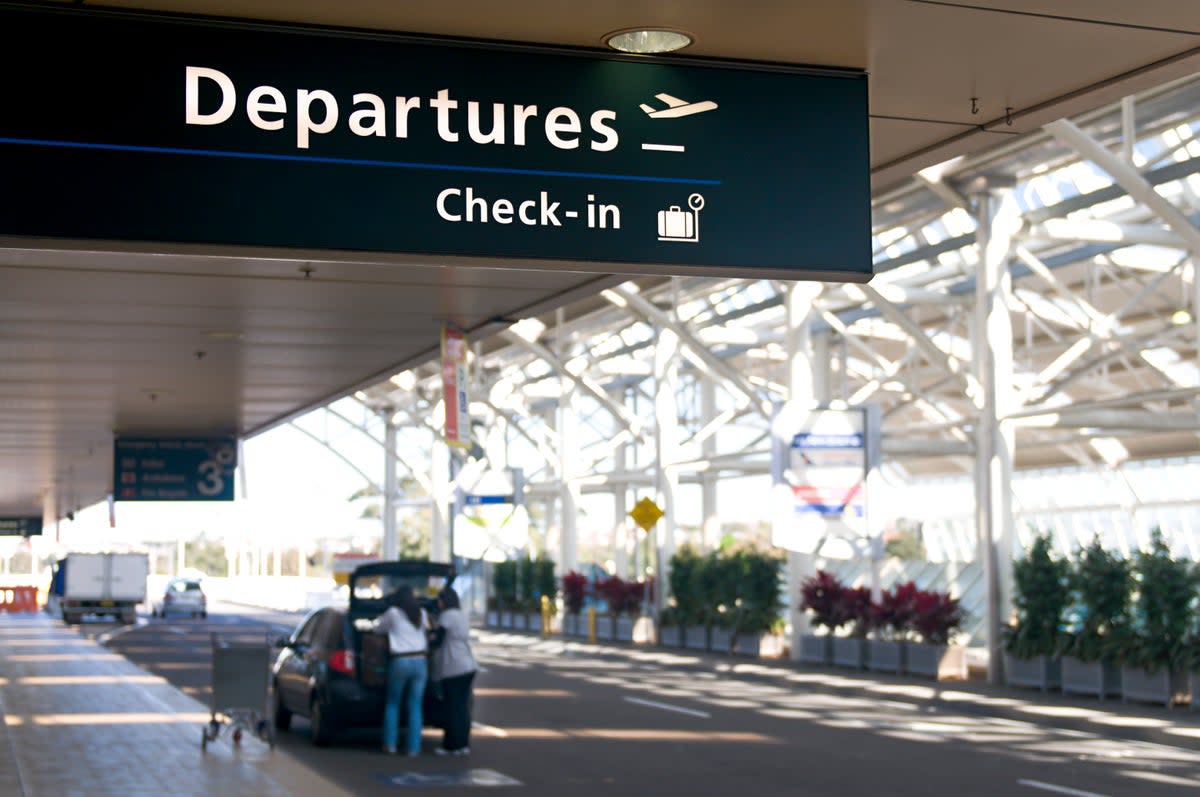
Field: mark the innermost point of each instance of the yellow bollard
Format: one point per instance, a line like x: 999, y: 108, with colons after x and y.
x: 546, y: 616
x: 592, y: 624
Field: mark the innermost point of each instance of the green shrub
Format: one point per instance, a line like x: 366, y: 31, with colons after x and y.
x: 1163, y: 609
x: 1101, y: 586
x: 504, y: 585
x: 1042, y: 587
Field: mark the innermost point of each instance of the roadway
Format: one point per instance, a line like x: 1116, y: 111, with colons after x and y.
x: 563, y: 719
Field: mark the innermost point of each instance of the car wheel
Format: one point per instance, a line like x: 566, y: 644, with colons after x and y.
x: 280, y: 713
x: 321, y: 722
x: 203, y: 615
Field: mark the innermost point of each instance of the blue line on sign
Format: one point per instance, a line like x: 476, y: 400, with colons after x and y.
x: 439, y: 167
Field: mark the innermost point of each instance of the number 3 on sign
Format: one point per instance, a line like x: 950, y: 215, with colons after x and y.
x: 212, y: 482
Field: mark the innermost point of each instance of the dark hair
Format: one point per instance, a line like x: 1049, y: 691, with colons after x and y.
x: 406, y: 601
x: 449, y: 598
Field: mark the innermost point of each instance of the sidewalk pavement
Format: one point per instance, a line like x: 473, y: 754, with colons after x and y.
x: 1177, y: 727
x: 79, y: 721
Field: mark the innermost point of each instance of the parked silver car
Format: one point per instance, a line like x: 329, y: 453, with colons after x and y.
x: 181, y: 596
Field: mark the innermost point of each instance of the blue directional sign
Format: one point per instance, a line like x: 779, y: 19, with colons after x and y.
x: 480, y: 500
x: 174, y: 469
x: 20, y: 526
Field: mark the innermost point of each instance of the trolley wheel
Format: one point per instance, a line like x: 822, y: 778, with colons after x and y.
x: 237, y: 735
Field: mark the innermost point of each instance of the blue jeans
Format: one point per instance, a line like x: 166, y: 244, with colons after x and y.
x: 406, y: 674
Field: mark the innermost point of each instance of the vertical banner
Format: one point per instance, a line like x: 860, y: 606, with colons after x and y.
x: 454, y: 386
x: 821, y: 463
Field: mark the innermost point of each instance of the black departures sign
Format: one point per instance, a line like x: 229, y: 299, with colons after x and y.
x: 180, y: 130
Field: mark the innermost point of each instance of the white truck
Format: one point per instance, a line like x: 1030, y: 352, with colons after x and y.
x: 102, y: 584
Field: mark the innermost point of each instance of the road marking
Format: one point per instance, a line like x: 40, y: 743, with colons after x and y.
x: 492, y: 729
x: 665, y: 707
x: 178, y: 631
x: 1037, y: 784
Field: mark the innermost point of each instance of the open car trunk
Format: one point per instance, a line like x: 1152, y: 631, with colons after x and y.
x: 371, y: 587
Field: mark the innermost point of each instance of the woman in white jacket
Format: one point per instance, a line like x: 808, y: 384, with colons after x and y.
x: 454, y: 669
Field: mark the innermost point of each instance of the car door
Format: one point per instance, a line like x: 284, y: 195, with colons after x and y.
x: 291, y: 675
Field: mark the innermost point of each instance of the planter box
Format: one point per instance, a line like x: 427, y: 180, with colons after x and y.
x: 574, y: 625
x: 696, y: 637
x: 1165, y: 687
x: 492, y: 620
x: 720, y: 640
x: 940, y: 662
x: 1194, y: 683
x: 749, y: 643
x: 816, y: 649
x: 886, y: 655
x: 1097, y: 678
x: 506, y: 619
x: 1042, y: 672
x: 605, y: 626
x: 623, y: 629
x: 670, y: 636
x: 849, y: 651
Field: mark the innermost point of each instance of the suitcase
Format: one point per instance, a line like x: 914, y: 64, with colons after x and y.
x: 676, y: 223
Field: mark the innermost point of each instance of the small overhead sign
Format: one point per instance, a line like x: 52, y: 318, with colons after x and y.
x: 176, y: 132
x: 174, y: 469
x: 20, y: 526
x: 646, y: 513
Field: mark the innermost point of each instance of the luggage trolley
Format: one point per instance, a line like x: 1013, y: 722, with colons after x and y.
x: 240, y: 680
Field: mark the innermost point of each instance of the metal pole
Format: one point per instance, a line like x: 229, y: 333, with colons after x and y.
x: 390, y: 549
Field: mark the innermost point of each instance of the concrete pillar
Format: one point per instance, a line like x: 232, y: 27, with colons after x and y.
x: 666, y: 445
x: 390, y: 547
x: 998, y: 220
x: 799, y: 300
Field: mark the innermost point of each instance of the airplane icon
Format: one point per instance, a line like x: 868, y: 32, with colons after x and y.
x: 677, y: 107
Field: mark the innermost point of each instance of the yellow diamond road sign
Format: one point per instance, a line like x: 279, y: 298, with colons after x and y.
x: 645, y: 513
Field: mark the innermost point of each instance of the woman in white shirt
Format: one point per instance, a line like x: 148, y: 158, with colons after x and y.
x: 454, y: 669
x: 405, y: 623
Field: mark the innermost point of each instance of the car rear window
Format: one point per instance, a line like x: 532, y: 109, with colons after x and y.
x: 186, y: 586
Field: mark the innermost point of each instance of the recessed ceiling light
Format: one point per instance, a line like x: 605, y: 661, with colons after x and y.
x: 223, y: 334
x: 1181, y: 317
x: 647, y: 40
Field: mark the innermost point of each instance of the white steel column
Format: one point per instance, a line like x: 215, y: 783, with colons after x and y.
x: 666, y: 444
x: 710, y: 530
x: 439, y: 537
x: 998, y: 220
x: 799, y: 298
x: 568, y: 487
x: 390, y: 548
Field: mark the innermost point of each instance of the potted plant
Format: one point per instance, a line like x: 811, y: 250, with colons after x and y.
x: 759, y: 592
x: 1154, y: 666
x: 574, y: 590
x: 937, y: 618
x: 722, y: 575
x: 688, y: 612
x: 1098, y: 622
x: 1041, y: 588
x: 821, y: 596
x: 892, y: 623
x: 504, y: 588
x: 857, y: 611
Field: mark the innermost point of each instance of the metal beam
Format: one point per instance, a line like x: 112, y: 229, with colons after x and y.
x: 1128, y: 178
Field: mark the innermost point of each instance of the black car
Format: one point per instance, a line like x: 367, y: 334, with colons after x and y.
x: 333, y: 667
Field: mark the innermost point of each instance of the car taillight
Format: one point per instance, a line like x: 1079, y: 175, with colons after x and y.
x: 168, y: 598
x: 342, y: 661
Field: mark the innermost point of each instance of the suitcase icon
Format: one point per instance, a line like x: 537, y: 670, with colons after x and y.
x: 677, y: 224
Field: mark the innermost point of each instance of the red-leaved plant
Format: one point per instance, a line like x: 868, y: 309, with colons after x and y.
x: 574, y: 587
x: 897, y: 610
x: 855, y: 606
x: 821, y: 594
x: 937, y: 616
